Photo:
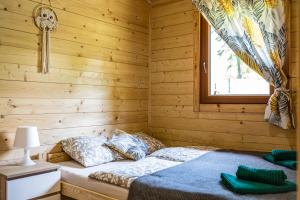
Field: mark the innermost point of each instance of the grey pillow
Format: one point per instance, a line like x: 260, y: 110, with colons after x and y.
x: 128, y: 145
x: 152, y: 143
x: 88, y: 151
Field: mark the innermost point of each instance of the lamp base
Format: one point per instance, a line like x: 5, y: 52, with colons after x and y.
x: 27, y: 160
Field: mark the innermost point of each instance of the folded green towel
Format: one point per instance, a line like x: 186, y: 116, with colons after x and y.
x: 249, y: 187
x: 292, y: 164
x: 274, y: 177
x: 284, y: 155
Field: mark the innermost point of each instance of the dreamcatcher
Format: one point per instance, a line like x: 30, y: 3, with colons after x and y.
x: 46, y: 20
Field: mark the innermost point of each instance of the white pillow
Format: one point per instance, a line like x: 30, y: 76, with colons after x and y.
x: 89, y: 151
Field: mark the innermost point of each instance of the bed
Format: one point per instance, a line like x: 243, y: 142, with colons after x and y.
x: 158, y: 183
x: 77, y: 184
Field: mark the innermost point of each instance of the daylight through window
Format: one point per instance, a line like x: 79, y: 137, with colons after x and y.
x: 225, y: 78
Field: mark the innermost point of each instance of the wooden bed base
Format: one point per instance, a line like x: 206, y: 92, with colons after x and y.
x: 74, y: 191
x: 80, y: 193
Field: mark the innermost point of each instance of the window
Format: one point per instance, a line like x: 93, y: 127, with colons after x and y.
x: 224, y: 78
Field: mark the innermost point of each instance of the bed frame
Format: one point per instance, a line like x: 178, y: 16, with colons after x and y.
x: 73, y: 191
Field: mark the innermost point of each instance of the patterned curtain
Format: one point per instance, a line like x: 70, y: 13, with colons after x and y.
x: 256, y: 31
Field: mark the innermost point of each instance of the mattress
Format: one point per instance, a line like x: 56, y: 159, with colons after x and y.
x: 75, y: 174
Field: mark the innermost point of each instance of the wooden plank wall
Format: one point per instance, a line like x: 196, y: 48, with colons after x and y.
x: 98, y: 76
x: 172, y: 117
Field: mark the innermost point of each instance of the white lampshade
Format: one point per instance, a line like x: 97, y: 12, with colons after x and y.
x: 27, y: 137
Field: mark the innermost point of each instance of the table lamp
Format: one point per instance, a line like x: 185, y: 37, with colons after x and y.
x: 27, y: 137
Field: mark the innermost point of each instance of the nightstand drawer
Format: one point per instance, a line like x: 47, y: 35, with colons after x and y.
x: 33, y: 186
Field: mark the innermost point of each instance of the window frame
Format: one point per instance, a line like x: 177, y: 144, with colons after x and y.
x: 201, y: 79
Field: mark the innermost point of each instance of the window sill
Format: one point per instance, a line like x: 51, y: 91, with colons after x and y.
x: 205, y: 99
x: 231, y: 108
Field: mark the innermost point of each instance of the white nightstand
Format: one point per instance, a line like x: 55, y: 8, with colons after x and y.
x: 40, y: 181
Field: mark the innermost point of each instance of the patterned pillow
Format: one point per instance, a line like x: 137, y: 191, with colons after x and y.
x: 88, y: 151
x: 128, y: 145
x: 153, y: 144
x: 118, y: 132
x: 179, y: 154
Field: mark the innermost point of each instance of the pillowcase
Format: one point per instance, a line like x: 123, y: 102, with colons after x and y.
x: 178, y: 154
x: 152, y: 143
x: 88, y: 151
x: 128, y: 145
